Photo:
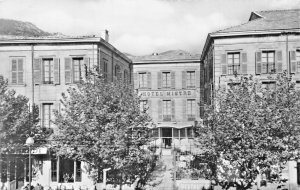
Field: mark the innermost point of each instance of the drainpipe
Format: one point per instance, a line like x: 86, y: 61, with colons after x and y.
x: 32, y: 84
x: 287, y: 53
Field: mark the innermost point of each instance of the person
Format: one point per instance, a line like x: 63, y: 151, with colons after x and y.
x: 38, y: 187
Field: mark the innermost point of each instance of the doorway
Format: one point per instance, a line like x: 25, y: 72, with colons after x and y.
x: 167, y: 137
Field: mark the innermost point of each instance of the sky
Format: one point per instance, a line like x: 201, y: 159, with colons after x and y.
x: 140, y: 27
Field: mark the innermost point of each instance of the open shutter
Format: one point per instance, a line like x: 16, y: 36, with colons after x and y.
x: 183, y: 79
x: 172, y: 79
x: 159, y: 111
x: 20, y: 71
x: 159, y: 80
x: 149, y: 111
x: 84, y: 67
x: 244, y: 63
x: 37, y: 70
x: 68, y: 70
x: 278, y: 62
x: 149, y: 80
x: 258, y: 63
x: 136, y: 82
x: 173, y: 109
x: 14, y: 70
x: 86, y: 61
x: 56, y: 71
x: 293, y: 62
x: 223, y: 64
x: 198, y: 79
x: 184, y: 110
x: 197, y: 109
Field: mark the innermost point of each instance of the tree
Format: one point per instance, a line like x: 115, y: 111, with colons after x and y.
x: 251, y: 130
x: 102, y: 125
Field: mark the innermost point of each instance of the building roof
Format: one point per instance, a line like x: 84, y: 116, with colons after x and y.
x: 268, y: 20
x: 168, y: 56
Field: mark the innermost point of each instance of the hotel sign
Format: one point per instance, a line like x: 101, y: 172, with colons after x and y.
x: 167, y: 93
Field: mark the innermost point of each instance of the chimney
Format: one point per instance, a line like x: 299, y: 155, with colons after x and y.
x: 104, y: 35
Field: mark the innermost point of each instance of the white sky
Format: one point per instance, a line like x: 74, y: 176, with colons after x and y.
x: 140, y: 27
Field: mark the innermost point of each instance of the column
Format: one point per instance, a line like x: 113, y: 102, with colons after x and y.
x: 173, y: 137
x: 185, y: 130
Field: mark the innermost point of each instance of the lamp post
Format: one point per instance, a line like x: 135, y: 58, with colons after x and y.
x: 29, y: 143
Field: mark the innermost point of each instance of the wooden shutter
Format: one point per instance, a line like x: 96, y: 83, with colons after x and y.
x: 173, y: 109
x: 184, y: 110
x: 149, y: 80
x: 136, y: 81
x: 183, y: 79
x: 56, y: 71
x: 68, y: 70
x: 293, y: 62
x: 197, y: 107
x: 20, y: 71
x: 278, y: 62
x: 149, y: 111
x: 37, y: 70
x: 84, y: 67
x: 197, y: 73
x: 159, y: 111
x: 14, y: 70
x: 172, y: 79
x: 159, y: 80
x: 244, y: 63
x: 86, y: 61
x: 258, y: 62
x: 223, y: 64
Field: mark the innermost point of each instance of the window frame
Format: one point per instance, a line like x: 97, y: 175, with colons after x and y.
x: 50, y: 78
x: 167, y: 110
x: 81, y: 66
x: 17, y: 71
x: 233, y: 67
x: 190, y: 80
x: 267, y: 62
x: 191, y: 109
x: 143, y: 106
x: 143, y: 80
x: 51, y: 108
x: 166, y: 79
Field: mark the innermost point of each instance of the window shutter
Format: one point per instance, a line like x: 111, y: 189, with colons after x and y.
x: 136, y: 82
x: 173, y: 109
x: 149, y: 111
x: 84, y: 67
x: 14, y: 68
x: 293, y: 61
x: 172, y: 79
x: 183, y: 79
x: 278, y: 62
x: 86, y: 61
x: 20, y: 71
x: 149, y: 80
x: 159, y: 80
x: 198, y: 79
x: 223, y: 64
x: 184, y: 102
x: 197, y: 109
x: 244, y: 63
x: 37, y: 70
x: 56, y: 71
x: 258, y: 62
x: 68, y: 70
x: 160, y: 117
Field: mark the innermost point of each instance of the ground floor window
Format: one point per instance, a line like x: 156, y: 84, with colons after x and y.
x: 69, y: 171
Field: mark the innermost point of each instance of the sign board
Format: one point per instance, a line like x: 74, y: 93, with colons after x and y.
x: 167, y: 93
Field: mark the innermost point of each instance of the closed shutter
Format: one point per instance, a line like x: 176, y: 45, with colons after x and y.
x: 244, y: 63
x: 149, y: 80
x: 14, y: 70
x: 223, y: 64
x: 258, y: 63
x: 136, y: 82
x: 198, y: 79
x: 183, y: 79
x: 173, y: 109
x: 184, y: 110
x: 293, y: 61
x: 20, y: 71
x: 68, y: 70
x: 37, y: 70
x: 172, y: 79
x: 159, y: 80
x: 159, y: 111
x: 278, y: 62
x: 56, y: 71
x: 101, y: 66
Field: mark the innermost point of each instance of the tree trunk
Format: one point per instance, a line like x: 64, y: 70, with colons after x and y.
x: 121, y: 181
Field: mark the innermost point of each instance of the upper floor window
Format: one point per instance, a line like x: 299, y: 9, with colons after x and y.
x: 143, y: 105
x: 298, y: 60
x: 191, y: 109
x: 190, y: 79
x: 47, y: 114
x: 166, y: 79
x: 48, y: 71
x: 233, y: 61
x: 79, y: 69
x: 268, y: 62
x: 167, y: 110
x: 143, y: 80
x: 17, y: 70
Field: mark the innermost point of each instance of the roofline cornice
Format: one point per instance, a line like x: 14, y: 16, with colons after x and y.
x: 166, y: 61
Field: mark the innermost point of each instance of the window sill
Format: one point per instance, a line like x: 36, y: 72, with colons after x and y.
x: 17, y: 85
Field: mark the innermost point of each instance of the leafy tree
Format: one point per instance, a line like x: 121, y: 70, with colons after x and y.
x: 102, y: 125
x: 251, y: 130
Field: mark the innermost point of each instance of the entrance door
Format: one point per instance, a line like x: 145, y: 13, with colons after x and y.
x: 167, y: 137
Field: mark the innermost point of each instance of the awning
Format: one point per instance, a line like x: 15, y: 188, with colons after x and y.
x: 176, y: 125
x: 40, y: 150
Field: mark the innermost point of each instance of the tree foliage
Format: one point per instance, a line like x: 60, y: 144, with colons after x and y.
x: 251, y: 130
x: 101, y: 124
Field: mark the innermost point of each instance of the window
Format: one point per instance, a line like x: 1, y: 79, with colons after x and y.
x: 167, y: 110
x: 118, y: 73
x: 268, y: 62
x: 143, y: 80
x: 233, y: 60
x: 47, y: 114
x: 191, y: 109
x: 105, y: 69
x: 48, y: 71
x: 298, y: 60
x: 79, y: 69
x: 17, y: 70
x: 269, y: 85
x: 166, y: 79
x: 143, y: 105
x: 54, y: 170
x: 78, y: 171
x: 190, y: 79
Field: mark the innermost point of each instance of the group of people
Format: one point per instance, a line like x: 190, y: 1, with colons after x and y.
x: 37, y: 187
